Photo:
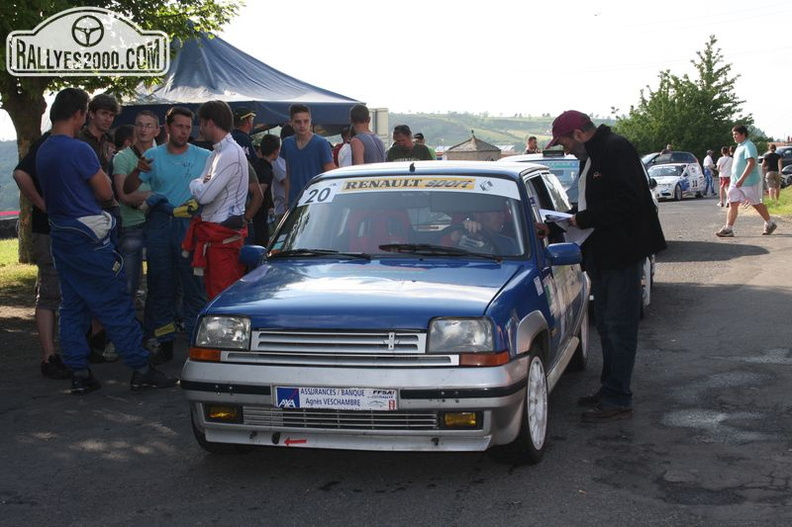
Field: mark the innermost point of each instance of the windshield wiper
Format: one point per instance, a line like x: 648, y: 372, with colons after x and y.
x: 319, y: 252
x: 433, y: 250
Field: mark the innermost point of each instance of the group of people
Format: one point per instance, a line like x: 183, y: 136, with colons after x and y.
x: 191, y: 204
x: 741, y: 180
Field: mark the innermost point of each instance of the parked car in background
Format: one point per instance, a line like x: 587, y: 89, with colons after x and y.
x: 399, y: 306
x: 786, y: 163
x: 675, y: 156
x: 786, y: 176
x: 565, y: 167
x: 677, y: 180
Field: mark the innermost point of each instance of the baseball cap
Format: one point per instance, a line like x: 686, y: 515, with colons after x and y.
x: 419, y: 135
x: 243, y: 112
x: 566, y: 123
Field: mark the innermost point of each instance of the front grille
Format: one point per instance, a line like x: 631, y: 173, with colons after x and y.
x: 339, y: 349
x: 271, y: 417
x: 390, y: 343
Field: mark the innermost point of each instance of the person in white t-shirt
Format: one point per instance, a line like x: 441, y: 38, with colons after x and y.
x: 724, y: 166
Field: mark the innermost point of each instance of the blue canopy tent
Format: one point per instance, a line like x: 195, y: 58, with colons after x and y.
x: 209, y: 68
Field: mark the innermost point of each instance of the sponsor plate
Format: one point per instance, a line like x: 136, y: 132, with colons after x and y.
x: 336, y: 398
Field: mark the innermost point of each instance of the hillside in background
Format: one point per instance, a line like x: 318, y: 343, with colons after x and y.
x: 453, y: 128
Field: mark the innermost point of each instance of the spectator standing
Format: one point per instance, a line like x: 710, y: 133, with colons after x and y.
x: 90, y: 274
x: 667, y: 150
x: 218, y: 232
x: 709, y: 173
x: 724, y: 166
x: 745, y: 185
x: 615, y: 201
x: 306, y: 154
x: 268, y: 151
x: 47, y: 289
x: 279, y: 178
x: 771, y: 167
x: 168, y: 170
x: 366, y: 146
x: 133, y: 218
x: 346, y: 135
x: 243, y: 124
x: 404, y: 149
x: 532, y: 146
x: 419, y: 139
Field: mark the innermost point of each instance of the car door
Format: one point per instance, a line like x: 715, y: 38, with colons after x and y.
x: 562, y: 284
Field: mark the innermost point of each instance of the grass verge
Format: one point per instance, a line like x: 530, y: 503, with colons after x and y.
x: 17, y: 281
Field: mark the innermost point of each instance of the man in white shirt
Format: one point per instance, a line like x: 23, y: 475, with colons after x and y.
x: 219, y: 232
x: 709, y: 174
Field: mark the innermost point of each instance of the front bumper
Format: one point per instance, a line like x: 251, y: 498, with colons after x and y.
x: 424, y: 395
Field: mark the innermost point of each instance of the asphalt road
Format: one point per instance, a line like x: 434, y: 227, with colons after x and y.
x: 709, y: 443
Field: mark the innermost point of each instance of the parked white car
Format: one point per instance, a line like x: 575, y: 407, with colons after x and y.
x: 677, y: 180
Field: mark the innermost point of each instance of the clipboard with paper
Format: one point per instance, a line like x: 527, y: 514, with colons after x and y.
x: 572, y: 234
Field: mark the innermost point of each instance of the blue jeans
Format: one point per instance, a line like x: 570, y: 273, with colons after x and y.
x: 709, y: 188
x: 133, y: 239
x: 168, y: 274
x: 93, y: 284
x: 617, y: 307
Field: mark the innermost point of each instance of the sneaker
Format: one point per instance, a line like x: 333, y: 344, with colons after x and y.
x: 101, y: 349
x: 601, y: 413
x: 53, y: 368
x: 720, y: 204
x: 163, y: 354
x: 590, y: 400
x: 153, y: 378
x: 82, y: 384
x: 725, y: 232
x: 770, y: 228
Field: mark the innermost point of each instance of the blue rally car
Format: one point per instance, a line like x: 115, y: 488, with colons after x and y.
x: 400, y: 306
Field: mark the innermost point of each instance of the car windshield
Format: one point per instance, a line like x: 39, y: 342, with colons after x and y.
x: 566, y: 170
x: 664, y: 170
x: 394, y: 215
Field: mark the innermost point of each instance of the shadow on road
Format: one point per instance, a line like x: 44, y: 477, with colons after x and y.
x: 698, y: 251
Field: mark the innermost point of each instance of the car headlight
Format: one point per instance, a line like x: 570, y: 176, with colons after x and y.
x: 223, y: 332
x: 461, y: 335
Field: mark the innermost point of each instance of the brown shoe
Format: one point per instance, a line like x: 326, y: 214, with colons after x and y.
x: 606, y: 413
x: 589, y: 401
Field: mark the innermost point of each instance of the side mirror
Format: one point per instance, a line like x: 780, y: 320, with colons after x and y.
x: 652, y: 182
x: 563, y: 254
x: 251, y: 256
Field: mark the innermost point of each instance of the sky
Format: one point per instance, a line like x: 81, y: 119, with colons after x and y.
x: 508, y: 57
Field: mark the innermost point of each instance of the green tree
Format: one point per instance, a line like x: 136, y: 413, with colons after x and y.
x: 691, y: 114
x: 23, y: 97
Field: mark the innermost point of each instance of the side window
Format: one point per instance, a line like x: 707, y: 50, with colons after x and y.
x: 546, y: 195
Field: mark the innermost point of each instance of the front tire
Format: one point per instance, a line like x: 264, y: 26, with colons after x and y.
x: 646, y: 287
x: 677, y: 193
x: 528, y: 446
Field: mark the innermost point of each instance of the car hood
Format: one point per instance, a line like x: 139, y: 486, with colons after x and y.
x: 666, y: 180
x: 363, y: 294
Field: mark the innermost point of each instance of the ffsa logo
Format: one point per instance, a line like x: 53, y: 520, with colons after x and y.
x: 86, y: 41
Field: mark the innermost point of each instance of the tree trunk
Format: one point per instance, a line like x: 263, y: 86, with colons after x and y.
x: 25, y: 107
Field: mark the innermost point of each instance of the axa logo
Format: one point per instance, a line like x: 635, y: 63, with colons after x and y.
x: 86, y: 41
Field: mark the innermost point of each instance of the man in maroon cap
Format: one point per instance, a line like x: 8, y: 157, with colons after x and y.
x: 615, y: 201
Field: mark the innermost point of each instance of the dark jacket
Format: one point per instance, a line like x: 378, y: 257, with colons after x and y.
x: 619, y: 204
